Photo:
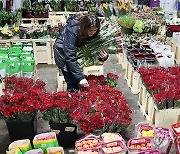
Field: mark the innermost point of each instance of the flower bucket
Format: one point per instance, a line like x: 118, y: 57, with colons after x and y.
x: 20, y: 130
x: 127, y: 31
x: 66, y: 133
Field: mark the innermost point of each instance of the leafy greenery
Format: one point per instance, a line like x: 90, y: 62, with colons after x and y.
x: 88, y: 53
x: 126, y: 21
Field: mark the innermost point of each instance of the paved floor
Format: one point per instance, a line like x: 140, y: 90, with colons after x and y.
x: 48, y: 74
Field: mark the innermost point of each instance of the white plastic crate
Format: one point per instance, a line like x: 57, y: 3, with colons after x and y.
x: 54, y: 20
x: 42, y: 51
x: 27, y: 22
x: 93, y: 70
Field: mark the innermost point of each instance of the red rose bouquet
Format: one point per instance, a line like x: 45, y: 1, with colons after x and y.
x: 163, y: 84
x: 100, y: 109
x: 21, y: 99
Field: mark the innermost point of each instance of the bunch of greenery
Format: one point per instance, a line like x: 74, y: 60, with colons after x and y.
x: 88, y: 53
x: 126, y: 21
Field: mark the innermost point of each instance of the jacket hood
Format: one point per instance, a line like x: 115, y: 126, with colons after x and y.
x: 71, y: 21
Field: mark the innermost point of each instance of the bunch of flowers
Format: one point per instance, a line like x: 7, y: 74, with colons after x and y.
x: 21, y: 100
x: 107, y: 39
x: 163, y: 84
x: 112, y: 79
x: 56, y: 107
x: 125, y: 6
x: 100, y: 108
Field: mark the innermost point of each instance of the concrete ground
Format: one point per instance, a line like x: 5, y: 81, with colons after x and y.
x: 48, y: 73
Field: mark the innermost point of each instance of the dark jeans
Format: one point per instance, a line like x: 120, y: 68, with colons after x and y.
x: 72, y: 84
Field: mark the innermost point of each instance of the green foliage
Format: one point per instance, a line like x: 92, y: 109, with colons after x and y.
x: 55, y: 5
x: 88, y: 53
x: 138, y: 26
x: 126, y: 21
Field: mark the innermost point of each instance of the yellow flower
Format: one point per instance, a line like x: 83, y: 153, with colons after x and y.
x: 105, y: 6
x: 126, y: 9
x: 16, y: 29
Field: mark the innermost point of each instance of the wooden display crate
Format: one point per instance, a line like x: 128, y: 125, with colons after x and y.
x: 159, y: 118
x: 177, y: 55
x: 93, y: 70
x: 52, y: 50
x: 5, y: 42
x: 62, y: 86
x: 124, y: 60
x: 55, y: 20
x: 1, y: 88
x: 42, y: 50
x: 133, y: 78
x: 27, y: 22
x: 169, y: 41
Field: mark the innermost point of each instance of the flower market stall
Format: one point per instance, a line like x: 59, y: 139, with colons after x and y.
x: 132, y: 104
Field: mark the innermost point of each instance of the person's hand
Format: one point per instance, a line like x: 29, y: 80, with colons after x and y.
x: 103, y: 54
x: 84, y: 83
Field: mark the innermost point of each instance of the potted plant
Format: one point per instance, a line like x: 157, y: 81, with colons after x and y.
x: 126, y: 23
x: 28, y: 10
x: 19, y: 105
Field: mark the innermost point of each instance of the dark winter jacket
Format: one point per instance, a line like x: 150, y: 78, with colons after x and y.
x: 65, y: 48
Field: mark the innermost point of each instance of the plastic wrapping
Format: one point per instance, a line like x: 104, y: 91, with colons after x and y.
x: 145, y: 130
x: 55, y: 150
x: 162, y: 140
x: 176, y: 135
x: 23, y: 145
x: 139, y: 144
x: 14, y: 151
x: 89, y: 144
x: 45, y: 140
x: 150, y: 152
x: 35, y: 151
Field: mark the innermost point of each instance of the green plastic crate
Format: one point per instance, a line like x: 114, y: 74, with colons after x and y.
x: 13, y: 67
x: 27, y: 65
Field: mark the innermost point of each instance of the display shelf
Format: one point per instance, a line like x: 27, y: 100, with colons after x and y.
x: 93, y: 70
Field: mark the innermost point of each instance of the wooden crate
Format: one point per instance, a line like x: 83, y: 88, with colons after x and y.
x: 42, y: 51
x: 62, y: 86
x: 135, y: 82
x: 124, y: 60
x: 52, y: 50
x: 169, y: 41
x: 120, y: 58
x: 27, y: 22
x: 165, y: 118
x: 5, y: 42
x: 174, y: 48
x: 1, y: 88
x: 55, y: 20
x: 93, y: 70
x: 177, y: 55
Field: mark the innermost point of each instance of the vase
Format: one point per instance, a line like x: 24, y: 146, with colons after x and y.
x: 66, y: 133
x: 20, y: 130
